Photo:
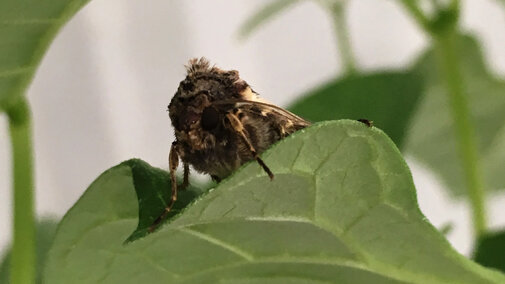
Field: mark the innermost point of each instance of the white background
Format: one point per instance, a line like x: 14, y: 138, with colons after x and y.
x: 100, y: 94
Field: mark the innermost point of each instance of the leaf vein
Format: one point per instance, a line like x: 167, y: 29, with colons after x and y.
x: 234, y: 249
x: 274, y: 260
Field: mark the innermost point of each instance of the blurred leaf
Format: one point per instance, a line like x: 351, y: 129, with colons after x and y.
x: 387, y: 98
x: 490, y: 250
x: 341, y: 209
x: 263, y: 15
x: 431, y: 138
x: 152, y: 187
x: 27, y: 27
x: 45, y: 232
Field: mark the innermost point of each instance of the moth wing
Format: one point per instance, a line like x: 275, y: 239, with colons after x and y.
x: 263, y: 108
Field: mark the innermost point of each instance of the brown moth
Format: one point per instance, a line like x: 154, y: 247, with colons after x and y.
x: 220, y: 123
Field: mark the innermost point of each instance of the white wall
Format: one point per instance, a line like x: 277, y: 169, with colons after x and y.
x: 101, y: 93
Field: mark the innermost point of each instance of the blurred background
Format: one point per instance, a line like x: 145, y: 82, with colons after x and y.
x: 100, y: 94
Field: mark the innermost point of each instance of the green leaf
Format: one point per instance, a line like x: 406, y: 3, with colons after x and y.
x: 388, y: 99
x: 490, y: 250
x: 153, y: 188
x: 263, y: 15
x: 27, y: 27
x: 45, y: 232
x: 341, y: 209
x: 431, y: 138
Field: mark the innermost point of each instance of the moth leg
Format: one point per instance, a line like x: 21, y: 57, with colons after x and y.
x: 173, y: 162
x: 185, y: 181
x: 239, y: 127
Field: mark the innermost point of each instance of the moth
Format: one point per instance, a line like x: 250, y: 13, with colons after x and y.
x: 220, y: 123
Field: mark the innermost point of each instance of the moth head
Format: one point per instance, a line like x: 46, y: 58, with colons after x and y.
x: 191, y: 107
x: 187, y: 110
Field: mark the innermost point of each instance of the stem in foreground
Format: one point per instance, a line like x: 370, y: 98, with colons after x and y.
x: 22, y: 268
x: 445, y: 45
x: 344, y: 44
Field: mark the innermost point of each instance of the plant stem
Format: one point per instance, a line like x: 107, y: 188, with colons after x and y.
x: 23, y: 250
x: 443, y: 30
x: 445, y: 45
x: 416, y: 12
x: 344, y: 44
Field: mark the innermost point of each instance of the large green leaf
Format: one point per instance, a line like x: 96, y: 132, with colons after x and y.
x: 490, y: 250
x: 431, y: 138
x: 45, y: 231
x: 387, y: 98
x: 27, y: 27
x: 341, y: 209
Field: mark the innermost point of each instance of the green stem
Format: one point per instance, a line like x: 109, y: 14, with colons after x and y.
x: 344, y: 44
x: 445, y: 45
x: 443, y: 30
x: 23, y: 249
x: 413, y: 8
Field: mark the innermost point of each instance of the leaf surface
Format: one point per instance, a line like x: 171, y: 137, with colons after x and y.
x: 153, y: 189
x: 341, y: 209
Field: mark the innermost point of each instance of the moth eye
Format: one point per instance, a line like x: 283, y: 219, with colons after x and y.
x: 210, y: 118
x: 187, y: 86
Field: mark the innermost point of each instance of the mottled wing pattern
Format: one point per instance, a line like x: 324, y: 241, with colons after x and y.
x: 286, y: 121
